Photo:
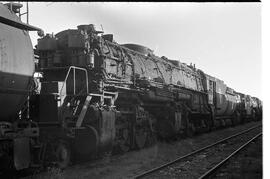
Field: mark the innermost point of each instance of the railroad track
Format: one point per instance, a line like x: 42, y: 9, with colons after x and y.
x: 164, y: 167
x: 213, y: 170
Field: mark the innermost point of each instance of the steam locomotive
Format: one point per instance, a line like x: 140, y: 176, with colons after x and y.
x: 87, y: 95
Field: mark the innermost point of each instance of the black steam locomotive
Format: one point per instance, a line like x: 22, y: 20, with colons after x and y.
x: 89, y: 95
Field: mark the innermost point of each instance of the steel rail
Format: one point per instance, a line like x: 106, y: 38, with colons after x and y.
x: 220, y: 164
x: 192, y: 153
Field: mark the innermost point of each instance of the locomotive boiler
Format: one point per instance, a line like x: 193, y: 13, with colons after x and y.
x: 96, y: 96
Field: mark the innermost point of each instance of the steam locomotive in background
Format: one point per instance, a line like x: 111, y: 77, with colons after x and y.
x: 87, y: 95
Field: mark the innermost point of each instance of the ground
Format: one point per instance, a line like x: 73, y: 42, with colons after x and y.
x: 132, y: 163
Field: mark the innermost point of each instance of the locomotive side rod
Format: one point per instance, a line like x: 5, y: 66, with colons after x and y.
x: 194, y: 152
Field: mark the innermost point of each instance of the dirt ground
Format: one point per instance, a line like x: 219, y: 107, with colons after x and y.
x: 132, y: 163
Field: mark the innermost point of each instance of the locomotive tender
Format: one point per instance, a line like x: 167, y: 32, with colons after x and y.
x: 93, y: 96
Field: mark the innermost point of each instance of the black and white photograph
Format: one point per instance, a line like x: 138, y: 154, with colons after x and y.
x: 140, y: 90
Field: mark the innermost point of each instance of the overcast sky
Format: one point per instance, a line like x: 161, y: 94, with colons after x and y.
x: 222, y: 39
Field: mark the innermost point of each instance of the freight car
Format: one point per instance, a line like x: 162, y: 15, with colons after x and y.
x: 16, y: 85
x: 96, y: 96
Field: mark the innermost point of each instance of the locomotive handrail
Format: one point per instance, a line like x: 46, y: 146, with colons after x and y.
x: 74, y: 80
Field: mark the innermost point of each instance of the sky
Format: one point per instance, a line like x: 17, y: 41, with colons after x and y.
x: 222, y: 39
